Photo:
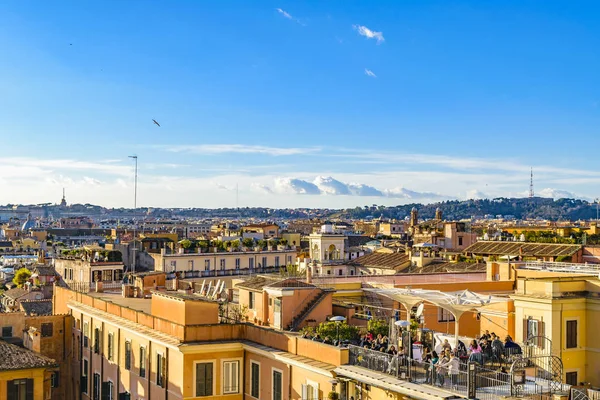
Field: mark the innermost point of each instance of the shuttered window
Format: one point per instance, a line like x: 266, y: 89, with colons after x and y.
x: 20, y: 389
x: 84, y: 377
x: 231, y: 380
x: 161, y: 370
x: 128, y: 355
x: 111, y: 347
x: 107, y: 391
x: 204, y: 379
x: 96, y: 340
x: 572, y: 334
x: 255, y: 380
x: 277, y: 385
x: 142, y: 362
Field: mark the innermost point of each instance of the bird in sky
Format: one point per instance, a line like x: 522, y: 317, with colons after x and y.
x: 156, y: 123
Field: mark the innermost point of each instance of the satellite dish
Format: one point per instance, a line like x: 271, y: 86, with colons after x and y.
x: 420, y: 310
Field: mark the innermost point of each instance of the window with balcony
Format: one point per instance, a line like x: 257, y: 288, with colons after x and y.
x: 222, y: 264
x: 237, y: 263
x: 277, y: 261
x: 445, y: 315
x: 207, y: 265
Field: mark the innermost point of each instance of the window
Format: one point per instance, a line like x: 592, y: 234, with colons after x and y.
x: 128, y: 355
x: 96, y: 390
x: 107, y: 275
x: 111, y: 347
x: 222, y: 264
x: 231, y: 377
x: 310, y: 391
x: 107, y: 390
x: 161, y: 370
x: 47, y: 329
x: 142, y: 362
x: 237, y: 263
x: 96, y: 340
x: 254, y: 380
x: 83, y: 384
x: 173, y: 265
x: 54, y: 380
x: 207, y: 265
x: 20, y: 389
x: 277, y: 385
x: 204, y: 379
x: 118, y: 275
x: 191, y: 265
x: 571, y: 378
x: 460, y: 241
x: 277, y: 261
x: 251, y: 300
x: 86, y: 333
x: 340, y: 272
x: 251, y: 263
x: 264, y: 262
x: 289, y: 259
x: 445, y: 315
x: 572, y: 334
x: 6, y: 331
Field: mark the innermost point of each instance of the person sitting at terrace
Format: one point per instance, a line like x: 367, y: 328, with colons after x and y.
x: 327, y: 340
x: 475, y: 352
x: 446, y: 345
x: 486, y: 335
x: 511, y: 347
x: 497, y: 347
x: 461, y: 349
x: 393, y: 350
x: 486, y: 349
x: 316, y: 337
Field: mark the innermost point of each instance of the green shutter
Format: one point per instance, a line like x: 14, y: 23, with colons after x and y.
x: 11, y: 390
x: 29, y: 389
x: 209, y: 379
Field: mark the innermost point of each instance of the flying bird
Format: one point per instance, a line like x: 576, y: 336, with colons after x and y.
x: 156, y: 123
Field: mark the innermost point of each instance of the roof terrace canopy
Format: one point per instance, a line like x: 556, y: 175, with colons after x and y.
x: 455, y: 302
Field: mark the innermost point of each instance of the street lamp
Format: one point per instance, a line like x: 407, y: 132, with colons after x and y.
x: 338, y: 319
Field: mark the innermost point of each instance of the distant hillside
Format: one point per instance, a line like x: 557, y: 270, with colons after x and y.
x: 537, y: 207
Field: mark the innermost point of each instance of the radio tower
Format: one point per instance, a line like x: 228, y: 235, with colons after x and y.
x: 531, y: 185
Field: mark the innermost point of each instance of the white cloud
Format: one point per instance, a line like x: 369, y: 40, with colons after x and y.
x: 368, y: 33
x: 328, y: 185
x: 238, y: 148
x: 261, y: 188
x: 475, y: 194
x: 370, y: 73
x: 403, y: 193
x: 296, y: 186
x: 556, y: 194
x: 284, y: 13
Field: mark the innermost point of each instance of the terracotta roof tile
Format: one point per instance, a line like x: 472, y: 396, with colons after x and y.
x: 15, y: 357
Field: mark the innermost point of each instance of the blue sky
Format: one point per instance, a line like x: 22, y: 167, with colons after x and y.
x: 314, y: 104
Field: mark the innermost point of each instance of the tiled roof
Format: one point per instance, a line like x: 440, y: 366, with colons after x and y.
x: 526, y: 249
x: 15, y: 293
x: 258, y: 282
x: 448, y: 267
x: 358, y: 240
x: 45, y: 270
x: 15, y: 357
x: 291, y: 283
x: 37, y: 307
x: 381, y: 260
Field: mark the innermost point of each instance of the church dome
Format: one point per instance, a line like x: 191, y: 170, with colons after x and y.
x: 28, y: 224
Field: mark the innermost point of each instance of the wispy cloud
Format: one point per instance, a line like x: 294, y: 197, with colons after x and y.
x: 287, y: 15
x: 238, y: 148
x: 370, y: 73
x: 284, y: 13
x: 369, y: 34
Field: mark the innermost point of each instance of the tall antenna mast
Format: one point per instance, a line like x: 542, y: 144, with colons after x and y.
x: 135, y: 158
x: 531, y: 185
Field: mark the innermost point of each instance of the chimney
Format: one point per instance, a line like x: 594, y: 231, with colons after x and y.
x: 308, y: 274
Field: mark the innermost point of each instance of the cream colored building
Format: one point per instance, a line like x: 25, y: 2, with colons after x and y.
x: 224, y: 263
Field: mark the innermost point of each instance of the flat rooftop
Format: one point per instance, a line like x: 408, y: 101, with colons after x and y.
x: 143, y: 305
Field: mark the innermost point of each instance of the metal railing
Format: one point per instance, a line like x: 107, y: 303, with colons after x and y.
x: 581, y: 268
x: 485, y: 383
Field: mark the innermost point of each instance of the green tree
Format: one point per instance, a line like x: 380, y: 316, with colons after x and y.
x: 21, y: 276
x: 248, y: 242
x: 262, y: 243
x: 186, y: 244
x: 329, y: 330
x: 378, y: 327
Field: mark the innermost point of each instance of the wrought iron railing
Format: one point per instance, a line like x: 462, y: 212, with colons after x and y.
x: 470, y: 380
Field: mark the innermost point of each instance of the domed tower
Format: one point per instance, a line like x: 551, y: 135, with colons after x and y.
x: 438, y: 214
x: 414, y: 217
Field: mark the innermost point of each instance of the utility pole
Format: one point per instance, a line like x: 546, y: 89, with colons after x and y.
x: 135, y: 158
